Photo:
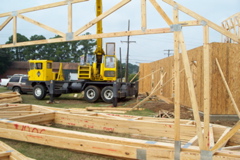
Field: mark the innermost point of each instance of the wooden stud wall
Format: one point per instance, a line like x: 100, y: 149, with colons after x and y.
x: 220, y: 101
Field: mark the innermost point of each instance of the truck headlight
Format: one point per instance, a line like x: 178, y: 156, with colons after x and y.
x: 109, y: 73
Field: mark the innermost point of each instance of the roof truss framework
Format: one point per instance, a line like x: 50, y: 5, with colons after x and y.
x: 174, y: 26
x: 29, y: 128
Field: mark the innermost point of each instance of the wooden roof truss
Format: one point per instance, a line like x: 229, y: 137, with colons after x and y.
x: 203, y: 132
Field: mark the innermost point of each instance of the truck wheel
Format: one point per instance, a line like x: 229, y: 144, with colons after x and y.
x: 17, y: 89
x: 39, y: 92
x: 91, y: 94
x: 107, y: 94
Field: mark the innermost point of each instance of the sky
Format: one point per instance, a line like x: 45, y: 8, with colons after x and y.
x: 146, y: 48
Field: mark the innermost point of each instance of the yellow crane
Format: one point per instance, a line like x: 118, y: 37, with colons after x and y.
x: 97, y: 75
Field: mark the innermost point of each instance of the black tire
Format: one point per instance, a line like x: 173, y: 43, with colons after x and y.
x: 91, y: 94
x: 39, y: 92
x: 17, y: 89
x: 107, y: 94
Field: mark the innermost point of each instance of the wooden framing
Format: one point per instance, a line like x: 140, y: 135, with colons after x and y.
x: 8, y: 153
x: 231, y: 24
x: 25, y: 128
x: 129, y: 148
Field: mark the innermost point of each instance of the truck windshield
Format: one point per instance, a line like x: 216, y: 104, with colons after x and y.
x: 110, y: 62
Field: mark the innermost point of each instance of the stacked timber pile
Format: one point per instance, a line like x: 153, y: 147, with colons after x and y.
x: 10, y: 97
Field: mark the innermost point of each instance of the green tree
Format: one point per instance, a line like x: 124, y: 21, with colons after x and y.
x: 5, y: 60
x: 83, y: 47
x: 35, y: 51
x: 18, y: 53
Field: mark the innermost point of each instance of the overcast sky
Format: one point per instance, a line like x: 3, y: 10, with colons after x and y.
x: 147, y: 48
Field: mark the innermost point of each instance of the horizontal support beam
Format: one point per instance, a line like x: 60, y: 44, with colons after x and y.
x: 52, y: 5
x: 94, y: 36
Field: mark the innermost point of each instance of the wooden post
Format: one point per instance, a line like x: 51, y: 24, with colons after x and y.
x: 176, y: 89
x: 69, y: 17
x: 14, y: 29
x: 144, y: 17
x: 206, y: 94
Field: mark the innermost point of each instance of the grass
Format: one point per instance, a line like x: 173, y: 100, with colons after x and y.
x: 41, y: 152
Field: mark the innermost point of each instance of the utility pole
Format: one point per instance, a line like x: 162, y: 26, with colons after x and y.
x: 127, y: 58
x: 168, y: 52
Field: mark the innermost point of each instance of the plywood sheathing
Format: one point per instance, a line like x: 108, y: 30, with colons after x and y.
x: 220, y: 100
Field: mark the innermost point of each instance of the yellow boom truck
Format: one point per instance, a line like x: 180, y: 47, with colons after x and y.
x: 97, y: 75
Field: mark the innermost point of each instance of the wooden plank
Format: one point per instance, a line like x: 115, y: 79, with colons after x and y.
x: 143, y: 14
x: 13, y: 154
x: 100, y: 144
x: 192, y: 93
x: 228, y: 89
x: 102, y: 16
x: 9, y: 114
x: 161, y: 12
x: 35, y: 118
x: 16, y: 108
x: 14, y: 29
x: 94, y: 36
x: 192, y: 142
x: 42, y: 25
x: 5, y: 154
x: 6, y: 22
x: 190, y: 23
x: 200, y: 18
x: 211, y: 137
x: 228, y: 133
x: 46, y: 6
x: 176, y: 80
x: 206, y: 92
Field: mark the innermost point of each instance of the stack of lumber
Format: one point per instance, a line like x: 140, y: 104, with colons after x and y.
x: 8, y: 153
x: 10, y: 97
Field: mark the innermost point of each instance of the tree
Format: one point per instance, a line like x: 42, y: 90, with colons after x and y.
x: 35, y: 51
x: 83, y: 47
x: 18, y: 53
x: 5, y: 60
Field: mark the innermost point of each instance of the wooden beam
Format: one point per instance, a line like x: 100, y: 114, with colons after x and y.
x: 192, y: 142
x: 14, y: 29
x: 35, y: 118
x: 190, y: 23
x: 206, y: 84
x: 6, y: 22
x: 9, y: 114
x: 202, y: 19
x: 191, y: 90
x: 46, y: 6
x: 176, y: 85
x: 161, y: 12
x: 211, y: 137
x: 143, y: 14
x: 11, y: 153
x: 228, y: 89
x: 42, y: 25
x: 227, y: 134
x: 94, y: 36
x: 102, y: 16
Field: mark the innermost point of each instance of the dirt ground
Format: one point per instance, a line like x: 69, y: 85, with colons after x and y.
x: 185, y: 112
